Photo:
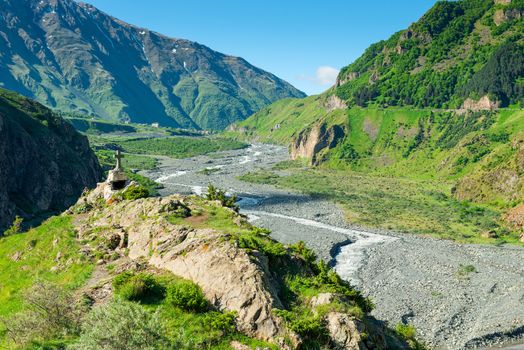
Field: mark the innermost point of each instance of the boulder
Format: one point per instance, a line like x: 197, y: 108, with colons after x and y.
x: 345, y: 331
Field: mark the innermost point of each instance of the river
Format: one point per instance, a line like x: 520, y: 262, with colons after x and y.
x: 410, y: 279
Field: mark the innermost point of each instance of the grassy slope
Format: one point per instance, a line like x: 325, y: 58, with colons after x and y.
x: 398, y: 167
x: 293, y: 115
x: 300, y: 281
x: 39, y: 248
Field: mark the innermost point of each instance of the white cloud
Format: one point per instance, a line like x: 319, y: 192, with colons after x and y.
x: 324, y: 76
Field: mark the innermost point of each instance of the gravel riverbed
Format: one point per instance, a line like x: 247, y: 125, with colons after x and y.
x: 457, y: 296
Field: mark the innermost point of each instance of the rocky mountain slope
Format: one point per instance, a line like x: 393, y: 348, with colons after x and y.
x: 44, y: 163
x: 71, y: 56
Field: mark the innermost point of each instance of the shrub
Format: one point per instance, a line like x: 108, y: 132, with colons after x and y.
x: 50, y: 314
x: 223, y: 322
x: 305, y: 324
x: 306, y: 253
x: 122, y: 325
x: 135, y: 192
x: 141, y: 287
x: 187, y: 296
x: 464, y: 270
x: 408, y: 332
x: 215, y: 194
x: 15, y: 228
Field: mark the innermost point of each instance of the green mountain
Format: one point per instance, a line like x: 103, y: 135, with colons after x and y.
x: 70, y: 56
x: 457, y: 50
x: 44, y: 163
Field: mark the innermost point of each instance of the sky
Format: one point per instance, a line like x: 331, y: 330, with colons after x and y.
x: 304, y: 42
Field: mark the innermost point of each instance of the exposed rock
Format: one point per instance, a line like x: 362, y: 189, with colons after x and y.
x: 236, y: 345
x: 310, y: 143
x: 44, y: 163
x: 16, y: 256
x: 322, y: 299
x: 484, y: 104
x: 345, y: 332
x: 515, y: 217
x: 504, y: 15
x: 333, y: 103
x: 350, y: 76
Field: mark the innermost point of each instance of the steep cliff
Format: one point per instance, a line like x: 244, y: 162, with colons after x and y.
x: 44, y: 163
x: 312, y: 143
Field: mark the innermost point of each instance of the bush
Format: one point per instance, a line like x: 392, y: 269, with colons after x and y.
x: 135, y: 192
x: 141, y: 287
x: 15, y: 228
x: 50, y: 315
x: 215, y: 194
x: 307, y: 325
x: 306, y: 253
x: 122, y: 325
x: 187, y: 296
x: 223, y: 322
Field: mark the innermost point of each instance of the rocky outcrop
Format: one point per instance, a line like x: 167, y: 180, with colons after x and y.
x: 231, y: 278
x: 349, y: 76
x: 334, y: 103
x: 311, y: 142
x: 44, y: 163
x: 502, y: 16
x: 483, y: 104
x: 345, y: 331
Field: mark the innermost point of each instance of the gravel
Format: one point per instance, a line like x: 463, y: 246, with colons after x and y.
x: 457, y: 296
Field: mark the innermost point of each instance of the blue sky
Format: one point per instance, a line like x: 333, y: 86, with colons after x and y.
x: 302, y: 41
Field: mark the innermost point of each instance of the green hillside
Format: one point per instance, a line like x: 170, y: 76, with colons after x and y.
x: 76, y: 58
x: 458, y: 49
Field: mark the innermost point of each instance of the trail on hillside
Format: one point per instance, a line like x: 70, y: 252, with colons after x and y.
x: 422, y: 281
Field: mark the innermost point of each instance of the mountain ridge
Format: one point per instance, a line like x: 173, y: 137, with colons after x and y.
x: 74, y: 57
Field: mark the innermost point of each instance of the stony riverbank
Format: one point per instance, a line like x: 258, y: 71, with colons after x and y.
x: 457, y: 296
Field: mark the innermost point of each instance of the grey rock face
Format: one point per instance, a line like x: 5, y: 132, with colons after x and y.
x: 44, y: 163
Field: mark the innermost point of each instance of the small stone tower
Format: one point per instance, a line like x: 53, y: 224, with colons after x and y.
x: 117, y: 177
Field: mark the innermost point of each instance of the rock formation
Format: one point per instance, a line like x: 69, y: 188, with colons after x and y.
x: 483, y: 104
x: 311, y: 142
x: 44, y: 163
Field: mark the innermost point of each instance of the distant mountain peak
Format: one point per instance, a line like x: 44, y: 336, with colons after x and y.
x: 71, y: 56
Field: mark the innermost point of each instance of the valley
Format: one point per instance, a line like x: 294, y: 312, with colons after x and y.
x: 157, y: 194
x: 457, y: 296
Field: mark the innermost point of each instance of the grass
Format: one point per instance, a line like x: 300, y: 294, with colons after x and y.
x: 38, y: 249
x: 397, y: 204
x: 130, y: 161
x: 179, y: 147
